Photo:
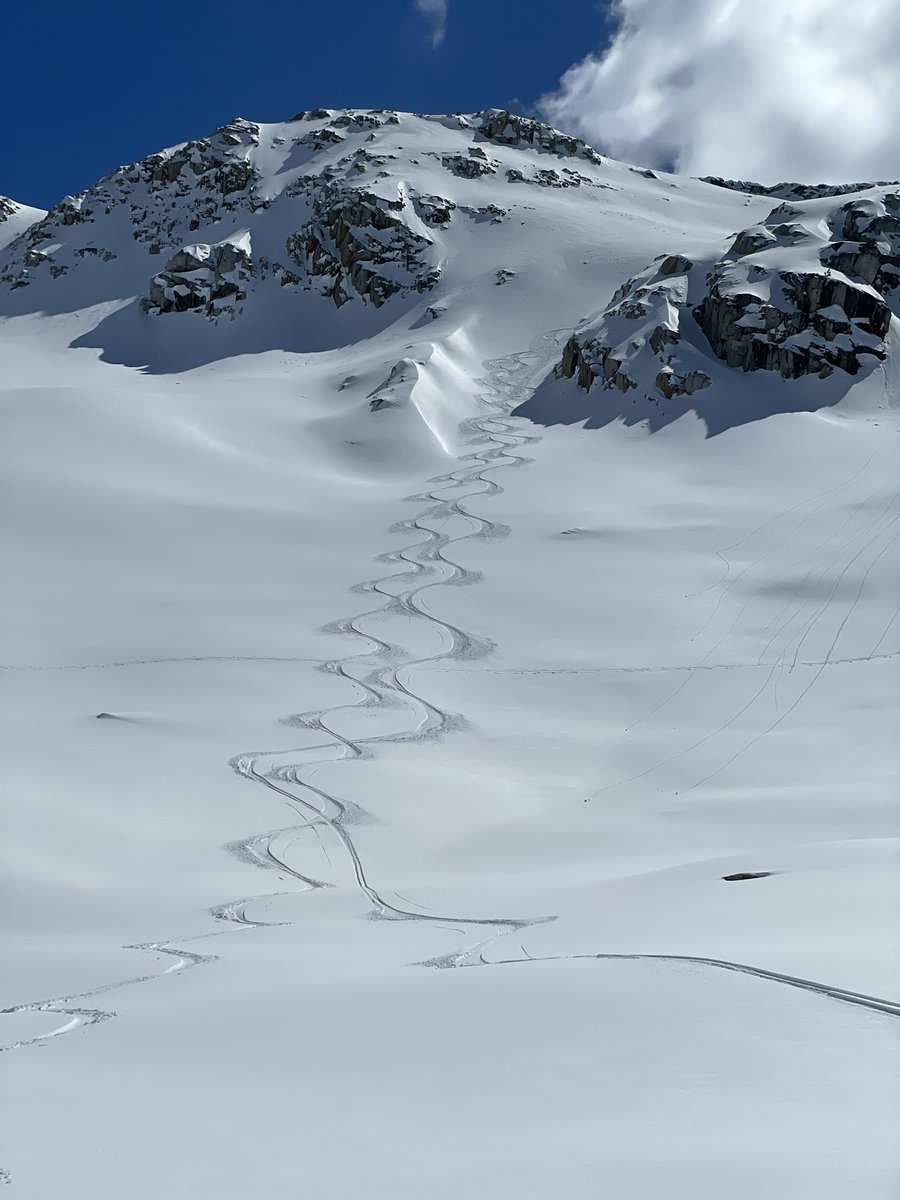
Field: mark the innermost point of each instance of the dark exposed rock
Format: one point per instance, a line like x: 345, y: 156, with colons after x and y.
x: 471, y: 165
x: 751, y: 241
x: 810, y: 320
x: 867, y: 244
x: 792, y: 191
x: 738, y: 875
x: 210, y: 279
x: 593, y: 361
x: 672, y: 384
x: 507, y: 129
x: 675, y: 264
x: 164, y: 194
x: 434, y: 210
x: 359, y: 239
x: 489, y: 212
x: 637, y: 340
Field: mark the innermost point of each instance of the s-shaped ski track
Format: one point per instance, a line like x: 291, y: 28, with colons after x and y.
x: 375, y: 674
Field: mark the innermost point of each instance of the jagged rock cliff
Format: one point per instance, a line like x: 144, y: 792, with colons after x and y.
x: 805, y: 291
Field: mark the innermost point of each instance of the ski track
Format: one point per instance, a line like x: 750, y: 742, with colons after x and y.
x: 375, y: 674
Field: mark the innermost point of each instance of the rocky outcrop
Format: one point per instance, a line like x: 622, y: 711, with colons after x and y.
x: 357, y: 241
x: 164, y: 197
x: 795, y: 323
x: 471, y: 165
x: 351, y: 119
x: 507, y: 129
x: 433, y: 210
x: 637, y: 342
x: 791, y: 191
x: 866, y: 242
x: 784, y: 297
x: 211, y: 279
x: 546, y: 177
x: 760, y: 311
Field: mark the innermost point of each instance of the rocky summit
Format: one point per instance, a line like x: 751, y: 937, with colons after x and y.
x: 369, y: 208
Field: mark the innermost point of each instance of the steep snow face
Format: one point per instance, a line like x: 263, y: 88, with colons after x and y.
x: 467, y: 801
x: 15, y: 219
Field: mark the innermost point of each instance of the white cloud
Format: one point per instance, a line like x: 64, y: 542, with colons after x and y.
x: 436, y: 12
x: 752, y: 89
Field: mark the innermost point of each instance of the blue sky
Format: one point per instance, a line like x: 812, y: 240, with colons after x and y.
x: 88, y: 86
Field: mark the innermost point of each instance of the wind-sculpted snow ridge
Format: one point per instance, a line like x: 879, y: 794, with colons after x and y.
x: 376, y: 673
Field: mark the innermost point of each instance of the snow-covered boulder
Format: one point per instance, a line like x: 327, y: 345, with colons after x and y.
x: 211, y: 279
x: 636, y: 343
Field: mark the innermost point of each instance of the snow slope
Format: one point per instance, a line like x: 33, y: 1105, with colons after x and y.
x: 383, y: 711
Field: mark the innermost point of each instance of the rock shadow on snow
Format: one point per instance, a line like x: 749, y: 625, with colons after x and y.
x: 175, y: 342
x: 730, y: 402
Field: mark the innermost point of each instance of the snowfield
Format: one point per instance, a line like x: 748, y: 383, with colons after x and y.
x: 385, y: 712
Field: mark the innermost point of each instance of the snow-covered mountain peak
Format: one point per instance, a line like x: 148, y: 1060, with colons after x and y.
x: 393, y: 230
x: 321, y: 178
x: 492, y: 547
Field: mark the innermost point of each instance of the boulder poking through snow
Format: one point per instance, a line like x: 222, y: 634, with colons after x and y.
x: 636, y: 343
x: 211, y: 279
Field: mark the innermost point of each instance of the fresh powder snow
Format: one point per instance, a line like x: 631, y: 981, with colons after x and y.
x: 449, y: 674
